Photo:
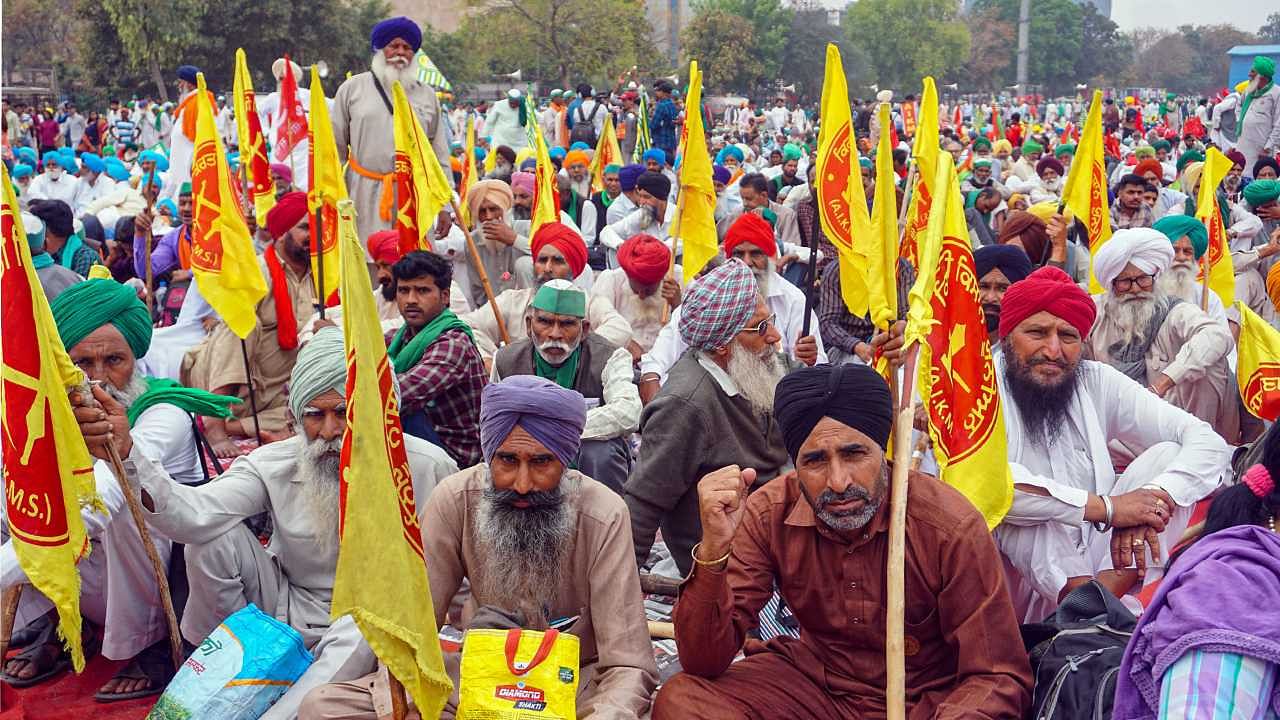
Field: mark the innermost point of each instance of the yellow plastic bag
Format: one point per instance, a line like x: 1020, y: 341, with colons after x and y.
x: 518, y: 675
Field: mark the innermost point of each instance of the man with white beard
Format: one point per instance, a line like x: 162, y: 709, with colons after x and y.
x: 1051, y: 178
x: 640, y: 287
x: 1170, y: 346
x: 1259, y: 114
x: 107, y: 330
x: 296, y: 481
x: 715, y: 410
x: 541, y: 545
x: 1190, y: 241
x: 362, y: 119
x: 751, y: 240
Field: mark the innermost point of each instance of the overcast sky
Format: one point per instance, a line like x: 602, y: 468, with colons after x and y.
x: 1247, y: 15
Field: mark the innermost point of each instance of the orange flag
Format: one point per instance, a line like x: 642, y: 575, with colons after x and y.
x: 253, y: 146
x: 925, y: 150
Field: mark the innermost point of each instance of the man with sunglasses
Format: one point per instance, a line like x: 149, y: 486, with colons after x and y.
x: 1160, y: 341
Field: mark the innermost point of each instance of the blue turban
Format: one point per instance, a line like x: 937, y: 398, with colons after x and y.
x: 480, y: 154
x: 21, y: 171
x: 116, y: 170
x: 729, y: 151
x: 151, y: 178
x: 553, y: 415
x: 170, y: 205
x: 1009, y: 259
x: 529, y: 165
x: 557, y: 153
x: 655, y: 154
x: 69, y: 162
x: 53, y: 156
x: 396, y: 27
x: 628, y: 175
x: 93, y: 162
x: 27, y: 155
x: 579, y: 146
x: 162, y: 162
x: 188, y: 73
x: 720, y: 174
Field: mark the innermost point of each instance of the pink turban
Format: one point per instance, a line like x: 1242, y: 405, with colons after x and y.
x: 523, y: 181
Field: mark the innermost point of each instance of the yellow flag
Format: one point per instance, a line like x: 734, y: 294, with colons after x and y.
x: 381, y: 580
x: 253, y: 146
x: 883, y: 253
x: 925, y: 150
x: 420, y: 180
x: 490, y: 158
x: 696, y: 210
x: 841, y: 200
x: 222, y: 255
x: 1258, y: 365
x: 1217, y: 257
x: 469, y: 178
x: 546, y: 195
x: 328, y: 186
x: 957, y: 378
x: 608, y: 152
x: 1085, y: 191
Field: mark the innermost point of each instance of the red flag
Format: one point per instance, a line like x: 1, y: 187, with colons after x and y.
x: 291, y: 118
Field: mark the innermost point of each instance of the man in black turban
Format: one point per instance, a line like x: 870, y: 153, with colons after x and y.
x: 819, y: 534
x: 997, y: 267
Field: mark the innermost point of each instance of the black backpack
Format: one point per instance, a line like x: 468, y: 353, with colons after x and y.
x: 1076, y: 653
x: 584, y: 126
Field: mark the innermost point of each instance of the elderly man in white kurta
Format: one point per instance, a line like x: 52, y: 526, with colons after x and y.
x: 296, y: 481
x: 362, y: 122
x: 1170, y: 346
x: 268, y: 108
x: 1070, y: 423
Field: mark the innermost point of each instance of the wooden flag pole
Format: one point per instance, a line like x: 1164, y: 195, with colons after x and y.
x: 10, y: 600
x: 399, y: 699
x: 671, y: 264
x: 907, y: 193
x: 895, y: 655
x: 253, y: 400
x: 479, y: 268
x: 318, y: 250
x: 1204, y: 290
x: 811, y: 280
x: 151, y: 302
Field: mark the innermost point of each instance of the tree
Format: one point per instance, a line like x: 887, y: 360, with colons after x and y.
x: 989, y: 67
x: 722, y: 43
x: 1055, y: 44
x: 1106, y: 53
x: 154, y: 35
x: 38, y: 33
x: 1191, y: 60
x: 805, y: 57
x: 1167, y: 64
x: 908, y: 39
x: 770, y: 26
x: 1270, y: 31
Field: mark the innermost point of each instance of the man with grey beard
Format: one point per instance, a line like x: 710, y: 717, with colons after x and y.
x: 1069, y: 422
x: 362, y: 120
x: 820, y: 535
x: 296, y: 482
x: 1158, y: 340
x: 716, y: 409
x: 107, y: 331
x: 542, y: 546
x: 1190, y: 241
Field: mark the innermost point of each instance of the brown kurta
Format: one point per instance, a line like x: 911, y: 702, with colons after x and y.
x: 964, y: 654
x: 217, y: 361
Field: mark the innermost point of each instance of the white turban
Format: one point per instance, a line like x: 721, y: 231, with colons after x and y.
x: 277, y: 69
x: 884, y: 96
x: 1149, y: 250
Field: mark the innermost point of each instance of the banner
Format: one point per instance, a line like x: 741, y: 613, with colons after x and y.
x: 1221, y: 273
x: 420, y: 182
x: 1258, y: 365
x: 1085, y: 191
x: 697, y: 205
x: 925, y: 150
x: 253, y: 146
x: 327, y: 188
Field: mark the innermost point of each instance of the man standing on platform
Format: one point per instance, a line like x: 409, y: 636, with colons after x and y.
x: 362, y: 122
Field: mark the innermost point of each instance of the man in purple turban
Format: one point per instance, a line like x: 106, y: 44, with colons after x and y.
x: 362, y: 120
x: 541, y: 544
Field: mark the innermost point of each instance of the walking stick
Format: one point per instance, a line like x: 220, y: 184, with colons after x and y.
x: 895, y: 656
x: 399, y: 700
x: 253, y: 400
x: 810, y: 280
x: 1204, y: 290
x: 11, y: 598
x: 671, y: 266
x: 144, y: 533
x: 484, y: 276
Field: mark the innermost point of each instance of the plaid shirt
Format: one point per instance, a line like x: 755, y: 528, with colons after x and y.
x: 662, y: 128
x: 839, y: 328
x: 1144, y: 218
x: 85, y: 258
x: 446, y: 384
x: 809, y: 222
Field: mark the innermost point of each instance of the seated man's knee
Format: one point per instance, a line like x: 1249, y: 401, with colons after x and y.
x: 337, y: 701
x: 681, y: 696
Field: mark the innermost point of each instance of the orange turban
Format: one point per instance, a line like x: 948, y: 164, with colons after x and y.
x: 563, y: 238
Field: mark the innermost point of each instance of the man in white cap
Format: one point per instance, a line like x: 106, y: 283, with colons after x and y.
x: 551, y: 120
x: 506, y: 122
x: 268, y: 115
x: 1170, y: 346
x: 362, y: 120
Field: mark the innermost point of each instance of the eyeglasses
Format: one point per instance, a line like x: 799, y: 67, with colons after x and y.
x: 762, y: 327
x: 1144, y: 282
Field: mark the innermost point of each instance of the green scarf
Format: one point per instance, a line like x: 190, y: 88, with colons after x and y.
x: 404, y: 355
x: 605, y: 199
x: 41, y: 261
x: 1248, y: 99
x: 563, y: 375
x: 67, y: 256
x: 192, y: 400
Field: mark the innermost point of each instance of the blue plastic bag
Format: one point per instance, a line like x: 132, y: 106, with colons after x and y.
x: 238, y: 672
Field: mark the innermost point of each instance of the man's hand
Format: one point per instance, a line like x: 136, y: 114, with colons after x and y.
x: 807, y: 350
x: 864, y: 351
x: 721, y: 499
x: 1144, y: 506
x: 1272, y: 247
x: 444, y: 224
x: 498, y: 231
x: 322, y: 322
x: 649, y: 387
x: 636, y: 351
x: 890, y: 344
x: 1128, y: 546
x: 142, y: 224
x: 1268, y: 213
x: 1162, y: 385
x: 102, y: 424
x: 670, y: 291
x: 785, y: 261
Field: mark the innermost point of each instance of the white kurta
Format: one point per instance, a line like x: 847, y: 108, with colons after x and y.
x: 502, y: 123
x: 1045, y: 538
x: 785, y: 301
x: 181, y: 152
x: 1260, y: 127
x: 91, y: 191
x: 66, y: 188
x: 643, y: 314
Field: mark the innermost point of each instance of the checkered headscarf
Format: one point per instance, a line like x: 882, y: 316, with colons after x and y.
x: 718, y: 306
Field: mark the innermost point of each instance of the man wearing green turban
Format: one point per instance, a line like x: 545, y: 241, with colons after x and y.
x: 1259, y: 114
x: 1025, y: 168
x: 790, y: 175
x: 106, y: 331
x: 1254, y: 254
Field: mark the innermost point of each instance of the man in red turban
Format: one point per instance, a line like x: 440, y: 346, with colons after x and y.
x: 639, y: 288
x: 1069, y: 423
x: 558, y: 252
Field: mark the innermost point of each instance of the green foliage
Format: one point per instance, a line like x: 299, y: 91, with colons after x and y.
x: 890, y: 31
x: 723, y: 45
x: 1270, y: 31
x: 805, y: 57
x: 1106, y: 53
x: 770, y: 28
x: 1191, y: 60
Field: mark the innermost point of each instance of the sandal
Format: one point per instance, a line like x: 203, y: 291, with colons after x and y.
x: 154, y: 664
x: 45, y: 652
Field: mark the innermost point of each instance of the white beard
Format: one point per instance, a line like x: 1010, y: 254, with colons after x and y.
x: 756, y: 376
x: 321, y: 487
x: 1052, y: 186
x: 388, y: 73
x: 763, y: 277
x: 1180, y: 282
x: 130, y: 393
x: 1128, y: 317
x: 582, y: 187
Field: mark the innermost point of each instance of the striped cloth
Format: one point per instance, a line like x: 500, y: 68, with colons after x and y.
x: 1218, y: 686
x: 430, y: 74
